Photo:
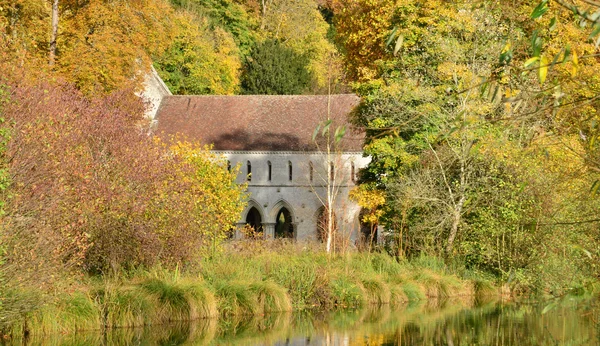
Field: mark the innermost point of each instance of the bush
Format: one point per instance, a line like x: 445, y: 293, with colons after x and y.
x: 96, y: 189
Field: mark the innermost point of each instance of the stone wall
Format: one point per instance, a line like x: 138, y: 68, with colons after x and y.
x: 301, y: 196
x: 154, y: 91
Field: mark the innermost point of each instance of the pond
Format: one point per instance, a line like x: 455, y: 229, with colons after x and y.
x: 451, y: 322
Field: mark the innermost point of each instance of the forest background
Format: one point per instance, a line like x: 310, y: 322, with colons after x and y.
x: 481, y: 121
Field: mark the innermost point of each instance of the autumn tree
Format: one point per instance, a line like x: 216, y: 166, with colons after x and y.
x: 552, y: 77
x: 362, y: 28
x: 231, y: 16
x: 105, y: 46
x: 99, y: 194
x: 199, y: 60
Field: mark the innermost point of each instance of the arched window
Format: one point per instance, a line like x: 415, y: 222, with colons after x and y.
x: 290, y: 170
x: 311, y: 170
x: 352, y: 175
x: 270, y: 170
x: 249, y: 169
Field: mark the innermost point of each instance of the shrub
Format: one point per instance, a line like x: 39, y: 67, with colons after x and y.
x: 96, y: 189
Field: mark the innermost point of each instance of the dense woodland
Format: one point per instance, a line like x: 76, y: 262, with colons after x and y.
x: 482, y: 121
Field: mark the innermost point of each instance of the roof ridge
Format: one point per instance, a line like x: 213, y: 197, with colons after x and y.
x: 247, y: 96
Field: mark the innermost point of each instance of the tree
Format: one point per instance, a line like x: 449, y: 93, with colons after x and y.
x: 231, y: 16
x: 362, y: 27
x: 274, y: 69
x: 100, y: 46
x: 460, y: 176
x: 199, y: 60
x: 553, y: 78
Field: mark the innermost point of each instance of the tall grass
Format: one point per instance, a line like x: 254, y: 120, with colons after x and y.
x: 239, y: 284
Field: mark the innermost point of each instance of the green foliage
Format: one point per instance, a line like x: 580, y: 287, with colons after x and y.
x: 456, y: 181
x: 199, y: 60
x: 274, y: 69
x: 227, y: 14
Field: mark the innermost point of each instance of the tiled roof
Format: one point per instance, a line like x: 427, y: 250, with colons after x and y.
x: 256, y: 122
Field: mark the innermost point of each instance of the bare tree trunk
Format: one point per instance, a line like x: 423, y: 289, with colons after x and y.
x: 458, y: 207
x: 54, y: 33
x: 455, y: 223
x: 330, y: 181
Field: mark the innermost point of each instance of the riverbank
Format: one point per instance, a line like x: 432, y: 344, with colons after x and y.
x: 246, y: 282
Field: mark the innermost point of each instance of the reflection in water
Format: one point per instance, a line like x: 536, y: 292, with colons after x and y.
x: 450, y: 323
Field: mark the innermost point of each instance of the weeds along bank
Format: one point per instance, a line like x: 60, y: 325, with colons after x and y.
x: 244, y: 284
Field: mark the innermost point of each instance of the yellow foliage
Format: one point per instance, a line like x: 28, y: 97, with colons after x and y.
x: 212, y: 189
x: 370, y: 201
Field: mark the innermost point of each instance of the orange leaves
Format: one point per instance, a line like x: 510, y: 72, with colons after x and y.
x: 104, y: 46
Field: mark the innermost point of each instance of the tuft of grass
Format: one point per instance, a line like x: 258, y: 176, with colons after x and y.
x: 235, y: 298
x: 271, y: 297
x: 397, y: 296
x: 300, y: 276
x: 126, y: 306
x: 67, y: 315
x: 376, y: 290
x: 432, y: 263
x: 346, y: 293
x: 386, y: 265
x: 483, y: 288
x: 439, y: 286
x: 413, y: 292
x: 201, y: 300
x: 174, y: 303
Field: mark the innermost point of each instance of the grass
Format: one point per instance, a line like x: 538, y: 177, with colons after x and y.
x: 242, y: 283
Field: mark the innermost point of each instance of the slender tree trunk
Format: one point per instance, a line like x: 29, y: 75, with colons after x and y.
x: 458, y: 207
x: 330, y: 182
x: 455, y: 223
x: 54, y: 33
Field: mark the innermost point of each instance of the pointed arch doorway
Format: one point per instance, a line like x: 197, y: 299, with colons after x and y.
x: 284, y: 227
x: 254, y: 220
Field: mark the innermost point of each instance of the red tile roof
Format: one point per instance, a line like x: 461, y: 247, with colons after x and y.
x: 256, y: 122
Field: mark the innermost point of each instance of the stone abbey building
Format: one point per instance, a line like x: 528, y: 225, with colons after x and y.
x: 271, y: 139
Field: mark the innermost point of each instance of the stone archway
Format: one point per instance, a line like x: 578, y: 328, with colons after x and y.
x: 282, y: 220
x: 322, y: 223
x: 254, y: 220
x: 284, y: 227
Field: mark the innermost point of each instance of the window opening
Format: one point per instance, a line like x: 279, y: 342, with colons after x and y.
x: 269, y: 167
x: 290, y: 169
x: 249, y: 168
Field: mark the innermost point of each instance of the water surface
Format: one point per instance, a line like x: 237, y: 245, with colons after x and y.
x: 452, y: 323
